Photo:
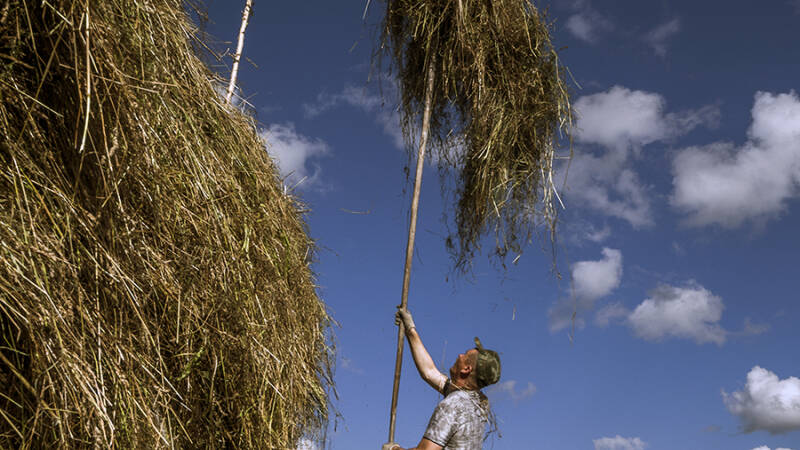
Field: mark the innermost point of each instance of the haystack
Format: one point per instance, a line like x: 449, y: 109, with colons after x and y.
x: 155, y: 288
x: 500, y: 110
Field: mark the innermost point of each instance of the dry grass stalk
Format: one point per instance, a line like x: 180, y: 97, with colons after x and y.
x: 155, y: 288
x: 500, y: 108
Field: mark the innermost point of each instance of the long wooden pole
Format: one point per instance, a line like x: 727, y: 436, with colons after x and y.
x: 412, y: 230
x: 238, y: 55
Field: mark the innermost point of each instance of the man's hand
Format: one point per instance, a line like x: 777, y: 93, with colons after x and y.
x: 404, y: 316
x: 424, y: 444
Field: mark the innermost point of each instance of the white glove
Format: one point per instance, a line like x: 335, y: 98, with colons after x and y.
x: 389, y: 446
x: 404, y: 316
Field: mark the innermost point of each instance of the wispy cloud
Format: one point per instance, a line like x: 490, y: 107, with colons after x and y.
x: 753, y: 329
x: 358, y: 97
x: 610, y: 313
x: 580, y: 232
x: 619, y: 443
x: 362, y: 98
x: 591, y: 280
x: 604, y: 184
x: 589, y: 25
x: 658, y: 37
x: 347, y: 364
x: 729, y: 186
x: 767, y: 403
x: 509, y: 388
x: 295, y: 154
x: 598, y: 235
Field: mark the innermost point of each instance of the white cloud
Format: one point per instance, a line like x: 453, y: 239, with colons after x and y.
x: 619, y: 443
x: 621, y: 118
x: 361, y: 98
x: 729, y: 186
x: 510, y: 388
x: 595, y: 279
x: 764, y: 447
x: 591, y: 280
x: 294, y: 153
x: 657, y: 37
x: 622, y: 121
x: 690, y: 312
x: 767, y: 403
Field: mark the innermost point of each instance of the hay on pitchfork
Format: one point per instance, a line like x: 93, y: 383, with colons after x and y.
x: 500, y: 112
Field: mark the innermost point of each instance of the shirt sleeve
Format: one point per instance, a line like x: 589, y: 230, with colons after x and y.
x: 442, y: 425
x: 444, y: 385
x: 440, y: 383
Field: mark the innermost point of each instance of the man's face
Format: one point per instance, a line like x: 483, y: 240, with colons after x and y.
x: 465, y: 363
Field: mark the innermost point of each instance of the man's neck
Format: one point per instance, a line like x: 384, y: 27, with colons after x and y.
x: 461, y: 385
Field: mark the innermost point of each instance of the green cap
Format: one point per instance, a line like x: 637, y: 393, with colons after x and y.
x: 487, y: 369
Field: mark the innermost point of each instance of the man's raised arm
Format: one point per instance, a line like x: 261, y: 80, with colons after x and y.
x: 427, y: 369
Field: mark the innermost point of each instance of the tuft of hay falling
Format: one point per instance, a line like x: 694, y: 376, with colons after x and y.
x: 500, y: 107
x: 155, y: 288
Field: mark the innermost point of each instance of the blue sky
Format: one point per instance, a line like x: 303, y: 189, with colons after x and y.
x: 677, y: 247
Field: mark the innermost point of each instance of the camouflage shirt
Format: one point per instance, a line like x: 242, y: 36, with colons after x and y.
x: 458, y: 422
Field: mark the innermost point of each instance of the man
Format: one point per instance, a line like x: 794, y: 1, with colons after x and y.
x: 459, y: 420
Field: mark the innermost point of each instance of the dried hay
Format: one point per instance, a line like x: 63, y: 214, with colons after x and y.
x: 155, y: 288
x: 500, y: 107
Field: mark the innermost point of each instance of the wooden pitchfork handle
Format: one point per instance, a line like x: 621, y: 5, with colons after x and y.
x: 412, y: 229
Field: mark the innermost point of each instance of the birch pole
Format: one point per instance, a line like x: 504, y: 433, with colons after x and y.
x: 238, y: 55
x: 412, y: 230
